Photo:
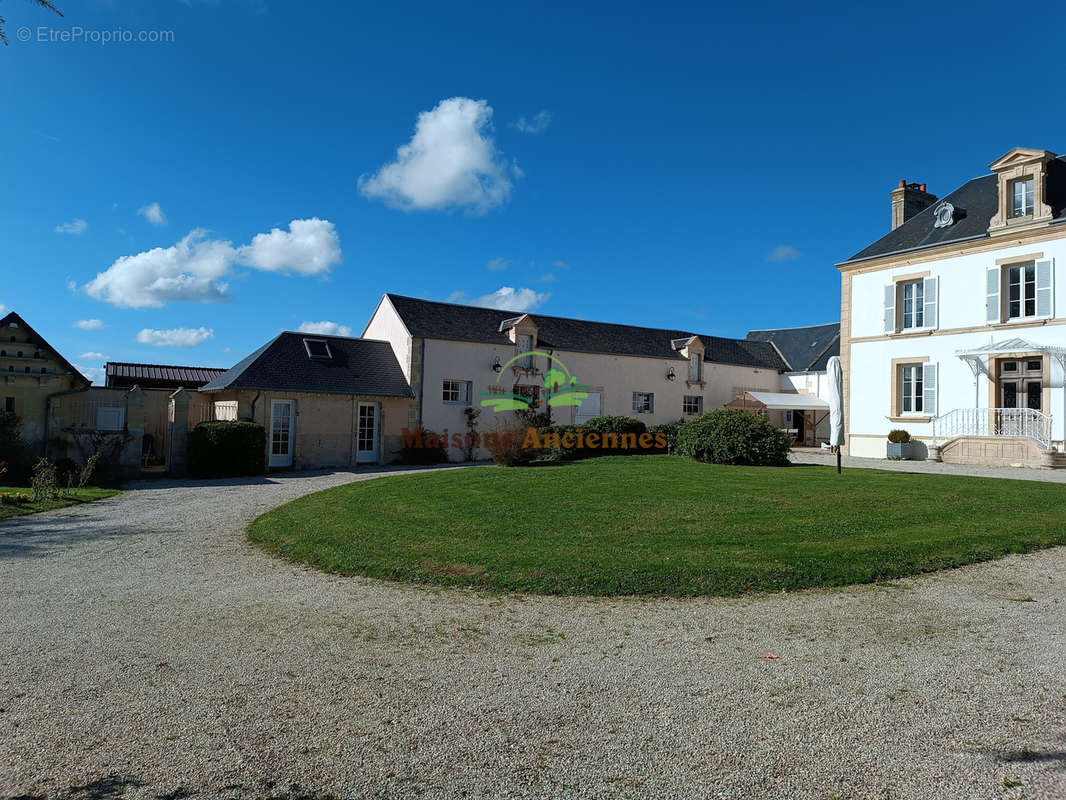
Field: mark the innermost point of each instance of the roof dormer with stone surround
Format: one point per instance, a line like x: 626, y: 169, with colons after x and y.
x: 1022, y: 180
x: 693, y: 350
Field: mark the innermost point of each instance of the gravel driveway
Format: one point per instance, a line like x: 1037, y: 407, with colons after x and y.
x: 146, y: 650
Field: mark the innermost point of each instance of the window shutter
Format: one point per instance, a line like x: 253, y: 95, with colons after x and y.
x: 890, y: 308
x: 993, y: 312
x: 929, y: 389
x: 932, y: 303
x: 1045, y: 288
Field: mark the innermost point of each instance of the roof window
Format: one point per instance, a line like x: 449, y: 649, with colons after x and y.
x: 317, y: 348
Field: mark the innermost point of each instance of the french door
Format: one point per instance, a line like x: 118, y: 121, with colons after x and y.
x: 366, y: 450
x: 281, y: 418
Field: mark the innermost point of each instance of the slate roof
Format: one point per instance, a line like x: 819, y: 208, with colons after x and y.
x: 23, y: 325
x: 980, y: 198
x: 357, y: 366
x: 805, y: 349
x: 149, y: 376
x: 429, y: 319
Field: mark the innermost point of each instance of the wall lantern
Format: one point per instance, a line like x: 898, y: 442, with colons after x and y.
x: 496, y: 365
x: 671, y: 374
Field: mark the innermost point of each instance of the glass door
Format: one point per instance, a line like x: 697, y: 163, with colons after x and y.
x: 281, y: 433
x: 366, y: 451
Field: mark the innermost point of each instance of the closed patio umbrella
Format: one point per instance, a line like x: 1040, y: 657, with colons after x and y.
x: 835, y: 375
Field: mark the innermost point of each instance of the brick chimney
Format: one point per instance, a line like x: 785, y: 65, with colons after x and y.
x: 907, y: 200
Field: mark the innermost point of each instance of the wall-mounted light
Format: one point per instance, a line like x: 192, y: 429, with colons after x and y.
x: 496, y: 365
x: 671, y: 374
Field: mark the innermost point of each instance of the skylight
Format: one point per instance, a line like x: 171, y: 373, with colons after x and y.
x: 317, y: 348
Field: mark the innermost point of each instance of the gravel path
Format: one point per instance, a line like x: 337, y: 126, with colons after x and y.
x: 146, y: 650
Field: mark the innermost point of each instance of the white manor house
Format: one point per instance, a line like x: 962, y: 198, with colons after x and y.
x: 953, y: 325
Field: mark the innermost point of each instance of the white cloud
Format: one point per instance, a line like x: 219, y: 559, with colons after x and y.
x: 506, y: 298
x: 194, y: 269
x: 560, y: 265
x: 325, y: 328
x: 538, y: 123
x: 450, y: 162
x: 95, y: 375
x: 75, y: 226
x: 547, y: 277
x: 153, y: 213
x: 93, y: 356
x: 3, y: 308
x: 310, y: 247
x: 498, y: 264
x: 190, y: 270
x: 89, y: 324
x: 783, y: 252
x: 175, y: 337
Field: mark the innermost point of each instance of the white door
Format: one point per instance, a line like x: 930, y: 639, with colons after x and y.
x: 589, y: 408
x: 281, y: 433
x: 366, y: 450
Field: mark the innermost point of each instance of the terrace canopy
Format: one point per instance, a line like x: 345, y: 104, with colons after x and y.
x: 779, y: 401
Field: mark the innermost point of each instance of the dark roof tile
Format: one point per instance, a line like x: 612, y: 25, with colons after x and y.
x: 429, y: 319
x: 357, y: 366
x: 807, y: 348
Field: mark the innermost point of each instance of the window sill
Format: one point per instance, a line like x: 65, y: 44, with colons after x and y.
x: 700, y: 384
x: 912, y: 332
x: 910, y: 419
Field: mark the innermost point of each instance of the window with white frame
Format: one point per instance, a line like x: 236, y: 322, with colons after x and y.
x: 912, y: 304
x: 911, y: 388
x: 1021, y: 197
x: 524, y: 342
x: 692, y: 404
x: 643, y: 402
x: 695, y: 363
x: 456, y: 392
x: 1021, y: 291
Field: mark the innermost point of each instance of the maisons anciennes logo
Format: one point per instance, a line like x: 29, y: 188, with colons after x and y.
x: 560, y: 387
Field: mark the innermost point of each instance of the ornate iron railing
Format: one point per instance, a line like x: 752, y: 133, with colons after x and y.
x: 1021, y: 422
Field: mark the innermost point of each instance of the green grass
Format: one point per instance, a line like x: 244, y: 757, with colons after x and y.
x: 86, y: 495
x: 661, y: 525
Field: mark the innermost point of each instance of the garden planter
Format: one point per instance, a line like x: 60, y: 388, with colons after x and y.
x: 899, y: 451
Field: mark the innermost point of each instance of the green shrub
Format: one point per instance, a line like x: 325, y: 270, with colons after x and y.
x: 554, y: 434
x: 618, y: 427
x: 423, y: 447
x: 732, y: 436
x: 224, y: 449
x: 668, y: 430
x: 898, y: 436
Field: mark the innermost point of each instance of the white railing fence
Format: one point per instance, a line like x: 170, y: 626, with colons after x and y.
x: 1021, y: 422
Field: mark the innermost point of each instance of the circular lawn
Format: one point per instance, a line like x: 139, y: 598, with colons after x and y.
x: 661, y: 525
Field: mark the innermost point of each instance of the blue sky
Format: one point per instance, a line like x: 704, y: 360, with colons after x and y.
x: 658, y: 164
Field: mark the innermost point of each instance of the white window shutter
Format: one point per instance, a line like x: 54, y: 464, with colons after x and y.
x: 890, y: 308
x: 929, y: 389
x: 932, y: 303
x: 1045, y: 288
x: 993, y: 312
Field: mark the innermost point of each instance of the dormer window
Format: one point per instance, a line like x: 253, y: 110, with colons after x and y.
x: 695, y: 363
x: 525, y: 344
x: 1021, y: 197
x: 318, y: 349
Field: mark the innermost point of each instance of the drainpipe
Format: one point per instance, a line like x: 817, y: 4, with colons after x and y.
x: 254, y: 401
x: 421, y: 381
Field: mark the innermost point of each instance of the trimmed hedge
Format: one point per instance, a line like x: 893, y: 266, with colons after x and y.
x: 732, y: 436
x: 669, y: 430
x: 227, y: 449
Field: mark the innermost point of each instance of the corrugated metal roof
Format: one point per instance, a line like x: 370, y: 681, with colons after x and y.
x: 162, y: 373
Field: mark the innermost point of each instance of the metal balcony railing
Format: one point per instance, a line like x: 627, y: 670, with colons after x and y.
x: 1019, y: 422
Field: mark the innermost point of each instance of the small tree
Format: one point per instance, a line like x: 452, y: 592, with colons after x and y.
x: 471, y: 415
x: 41, y: 3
